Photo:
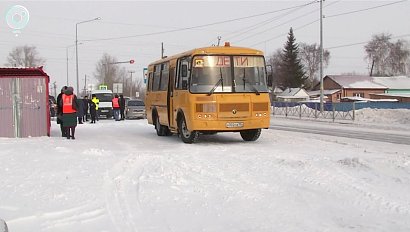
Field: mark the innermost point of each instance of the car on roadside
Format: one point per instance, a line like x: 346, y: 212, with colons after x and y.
x: 135, y: 109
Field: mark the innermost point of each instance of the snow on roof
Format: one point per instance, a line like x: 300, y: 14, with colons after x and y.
x: 325, y: 92
x: 356, y: 82
x: 396, y: 82
x: 297, y: 92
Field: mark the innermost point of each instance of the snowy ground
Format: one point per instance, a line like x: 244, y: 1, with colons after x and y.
x: 119, y: 176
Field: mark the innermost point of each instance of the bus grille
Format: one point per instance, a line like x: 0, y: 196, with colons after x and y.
x: 240, y: 107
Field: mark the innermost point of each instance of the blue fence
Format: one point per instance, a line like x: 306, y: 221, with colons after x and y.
x: 345, y: 106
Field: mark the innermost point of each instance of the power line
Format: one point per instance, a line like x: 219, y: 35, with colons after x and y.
x: 305, y: 25
x: 365, y: 9
x: 360, y: 43
x: 200, y: 26
x: 260, y: 24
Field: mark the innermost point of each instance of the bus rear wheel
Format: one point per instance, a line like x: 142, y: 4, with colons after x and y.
x: 251, y: 135
x: 186, y: 135
x: 161, y: 130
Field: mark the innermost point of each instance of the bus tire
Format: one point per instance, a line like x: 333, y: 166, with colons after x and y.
x: 159, y: 128
x: 251, y: 135
x: 186, y: 135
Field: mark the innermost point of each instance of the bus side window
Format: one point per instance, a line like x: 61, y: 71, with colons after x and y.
x: 157, y: 78
x: 183, y: 73
x: 150, y: 82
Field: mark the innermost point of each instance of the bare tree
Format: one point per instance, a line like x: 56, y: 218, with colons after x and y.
x: 106, y: 72
x: 24, y: 56
x: 310, y: 57
x: 385, y: 57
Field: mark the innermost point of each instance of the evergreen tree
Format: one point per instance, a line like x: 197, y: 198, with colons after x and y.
x: 291, y: 74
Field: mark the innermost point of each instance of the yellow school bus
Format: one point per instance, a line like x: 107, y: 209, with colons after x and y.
x: 209, y: 90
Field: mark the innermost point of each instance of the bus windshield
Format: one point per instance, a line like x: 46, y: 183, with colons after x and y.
x: 221, y: 74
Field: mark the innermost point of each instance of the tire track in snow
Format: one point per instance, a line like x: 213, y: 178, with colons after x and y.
x: 121, y: 187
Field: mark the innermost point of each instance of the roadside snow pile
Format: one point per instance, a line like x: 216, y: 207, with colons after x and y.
x: 399, y: 117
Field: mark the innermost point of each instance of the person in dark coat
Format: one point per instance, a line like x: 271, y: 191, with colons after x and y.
x: 69, y: 103
x: 86, y: 107
x: 122, y: 107
x: 80, y: 110
x: 60, y: 111
x: 93, y: 111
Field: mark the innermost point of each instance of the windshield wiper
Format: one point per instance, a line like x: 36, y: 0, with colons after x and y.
x: 220, y: 82
x: 252, y: 86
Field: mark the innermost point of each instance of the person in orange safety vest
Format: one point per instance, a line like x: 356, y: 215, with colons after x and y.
x: 116, y: 107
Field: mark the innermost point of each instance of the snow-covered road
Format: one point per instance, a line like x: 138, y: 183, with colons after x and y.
x: 120, y: 176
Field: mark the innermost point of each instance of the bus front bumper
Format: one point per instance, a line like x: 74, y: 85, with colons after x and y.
x: 230, y: 125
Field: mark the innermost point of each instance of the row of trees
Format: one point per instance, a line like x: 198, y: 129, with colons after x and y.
x: 108, y: 73
x: 297, y: 65
x: 105, y: 72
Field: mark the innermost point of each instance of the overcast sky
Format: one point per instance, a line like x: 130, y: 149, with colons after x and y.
x: 51, y: 29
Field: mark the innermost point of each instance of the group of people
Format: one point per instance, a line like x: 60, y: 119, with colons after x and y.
x: 70, y: 109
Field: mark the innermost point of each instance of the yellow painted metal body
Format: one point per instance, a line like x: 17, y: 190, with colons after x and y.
x: 217, y: 112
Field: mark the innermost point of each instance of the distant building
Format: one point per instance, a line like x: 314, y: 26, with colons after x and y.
x: 293, y: 95
x: 350, y: 86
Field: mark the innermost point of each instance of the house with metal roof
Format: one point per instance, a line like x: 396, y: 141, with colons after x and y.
x: 293, y: 95
x: 350, y: 86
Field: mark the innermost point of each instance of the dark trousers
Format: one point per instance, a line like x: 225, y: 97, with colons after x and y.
x: 69, y: 129
x: 122, y: 114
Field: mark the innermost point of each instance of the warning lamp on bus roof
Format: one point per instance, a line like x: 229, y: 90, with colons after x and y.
x: 132, y: 61
x: 227, y: 44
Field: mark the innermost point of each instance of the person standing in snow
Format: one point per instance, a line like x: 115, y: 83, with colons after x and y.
x: 69, y: 103
x: 86, y: 108
x: 122, y: 106
x: 60, y: 111
x: 96, y: 102
x: 93, y: 111
x: 116, y: 107
x: 80, y: 110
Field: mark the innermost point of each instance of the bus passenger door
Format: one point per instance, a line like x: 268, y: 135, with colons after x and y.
x: 170, y: 96
x: 179, y: 98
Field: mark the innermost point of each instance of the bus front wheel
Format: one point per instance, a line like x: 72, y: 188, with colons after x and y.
x: 186, y: 135
x: 251, y: 135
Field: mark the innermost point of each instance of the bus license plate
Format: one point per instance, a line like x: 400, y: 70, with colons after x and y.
x: 234, y: 124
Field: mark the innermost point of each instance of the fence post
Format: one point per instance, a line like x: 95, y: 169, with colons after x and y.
x: 334, y: 109
x: 354, y: 109
x: 300, y: 110
x: 315, y: 110
x: 286, y: 109
x: 273, y: 108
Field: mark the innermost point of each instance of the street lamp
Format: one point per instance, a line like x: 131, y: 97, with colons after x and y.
x: 76, y: 46
x: 66, y: 54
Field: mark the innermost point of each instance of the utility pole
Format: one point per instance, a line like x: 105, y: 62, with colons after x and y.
x: 85, y: 84
x: 219, y: 39
x: 162, y: 50
x: 131, y: 72
x: 321, y: 56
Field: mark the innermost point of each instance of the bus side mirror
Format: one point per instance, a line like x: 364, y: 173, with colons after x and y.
x: 184, y: 70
